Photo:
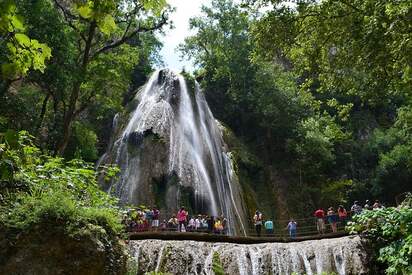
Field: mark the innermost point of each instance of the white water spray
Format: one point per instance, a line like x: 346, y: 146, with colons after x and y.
x: 189, y: 144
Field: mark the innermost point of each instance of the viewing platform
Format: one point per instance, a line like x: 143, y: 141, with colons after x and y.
x: 206, y: 237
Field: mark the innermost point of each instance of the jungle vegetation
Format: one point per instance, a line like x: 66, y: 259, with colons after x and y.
x: 317, y: 93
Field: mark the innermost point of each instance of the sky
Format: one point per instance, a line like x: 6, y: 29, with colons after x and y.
x: 185, y: 9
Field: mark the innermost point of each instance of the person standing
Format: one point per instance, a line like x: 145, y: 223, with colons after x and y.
x: 218, y: 227
x: 367, y: 205
x: 181, y: 218
x: 198, y: 223
x: 342, y: 214
x: 377, y: 205
x: 205, y: 223
x: 173, y: 223
x: 191, y: 225
x: 224, y: 224
x: 257, y: 219
x: 332, y: 219
x: 292, y: 228
x: 163, y: 226
x: 320, y: 222
x: 148, y: 213
x: 210, y: 224
x: 269, y: 227
x: 156, y: 215
x: 356, y: 208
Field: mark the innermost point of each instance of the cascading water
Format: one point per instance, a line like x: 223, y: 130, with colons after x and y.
x: 341, y: 256
x: 171, y: 152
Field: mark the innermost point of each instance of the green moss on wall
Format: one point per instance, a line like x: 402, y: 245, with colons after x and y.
x: 161, y: 185
x: 257, y: 191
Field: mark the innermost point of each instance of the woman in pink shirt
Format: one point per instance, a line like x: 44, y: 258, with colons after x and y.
x: 181, y: 218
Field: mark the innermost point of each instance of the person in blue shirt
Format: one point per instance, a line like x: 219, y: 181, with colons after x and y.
x: 269, y: 227
x: 292, y: 227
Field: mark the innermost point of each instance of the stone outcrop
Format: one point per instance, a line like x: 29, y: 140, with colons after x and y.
x: 171, y: 153
x: 52, y: 252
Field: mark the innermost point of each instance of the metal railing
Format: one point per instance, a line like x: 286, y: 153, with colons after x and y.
x: 305, y: 227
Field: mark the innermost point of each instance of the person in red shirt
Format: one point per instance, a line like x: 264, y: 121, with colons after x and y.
x: 182, y: 218
x: 342, y: 214
x: 320, y: 222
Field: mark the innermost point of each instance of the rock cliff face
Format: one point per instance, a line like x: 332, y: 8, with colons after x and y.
x: 52, y: 252
x: 171, y: 152
x: 344, y: 255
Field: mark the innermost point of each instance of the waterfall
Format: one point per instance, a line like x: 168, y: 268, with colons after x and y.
x: 328, y: 256
x: 171, y: 152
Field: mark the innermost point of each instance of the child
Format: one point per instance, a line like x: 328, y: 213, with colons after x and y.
x: 292, y: 227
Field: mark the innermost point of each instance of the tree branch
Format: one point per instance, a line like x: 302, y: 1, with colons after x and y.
x: 353, y: 7
x: 131, y: 14
x: 69, y: 17
x: 126, y: 36
x: 84, y: 105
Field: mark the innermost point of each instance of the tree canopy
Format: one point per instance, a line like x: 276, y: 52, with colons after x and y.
x: 318, y: 89
x: 95, y: 46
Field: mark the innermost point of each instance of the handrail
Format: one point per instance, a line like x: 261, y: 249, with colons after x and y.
x: 305, y: 231
x: 204, y: 237
x: 307, y: 227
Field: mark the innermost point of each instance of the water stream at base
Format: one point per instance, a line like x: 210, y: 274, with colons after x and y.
x: 341, y: 256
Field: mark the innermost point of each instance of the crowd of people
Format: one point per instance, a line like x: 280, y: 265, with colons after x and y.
x: 138, y: 220
x: 258, y: 221
x: 148, y: 219
x: 331, y: 217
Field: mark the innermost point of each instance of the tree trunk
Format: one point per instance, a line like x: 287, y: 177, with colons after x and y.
x: 43, y: 110
x: 71, y: 112
x: 67, y: 131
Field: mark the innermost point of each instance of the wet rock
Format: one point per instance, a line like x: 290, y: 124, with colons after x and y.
x: 173, y: 130
x: 340, y: 256
x: 52, y: 252
x: 136, y: 138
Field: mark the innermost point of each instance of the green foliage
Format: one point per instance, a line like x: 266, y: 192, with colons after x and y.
x: 393, y: 148
x: 335, y: 192
x: 370, y: 58
x: 351, y: 63
x: 79, y: 86
x: 391, y: 231
x: 100, y: 12
x: 316, y: 107
x: 261, y: 99
x: 41, y: 190
x: 84, y: 143
x: 217, y: 264
x: 156, y: 6
x: 20, y: 53
x: 314, y: 146
x: 258, y: 100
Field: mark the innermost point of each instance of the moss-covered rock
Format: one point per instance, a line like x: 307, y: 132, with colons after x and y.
x: 257, y: 190
x: 50, y: 250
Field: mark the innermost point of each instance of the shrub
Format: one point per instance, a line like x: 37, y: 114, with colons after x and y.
x: 390, y: 229
x: 43, y: 190
x: 217, y: 264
